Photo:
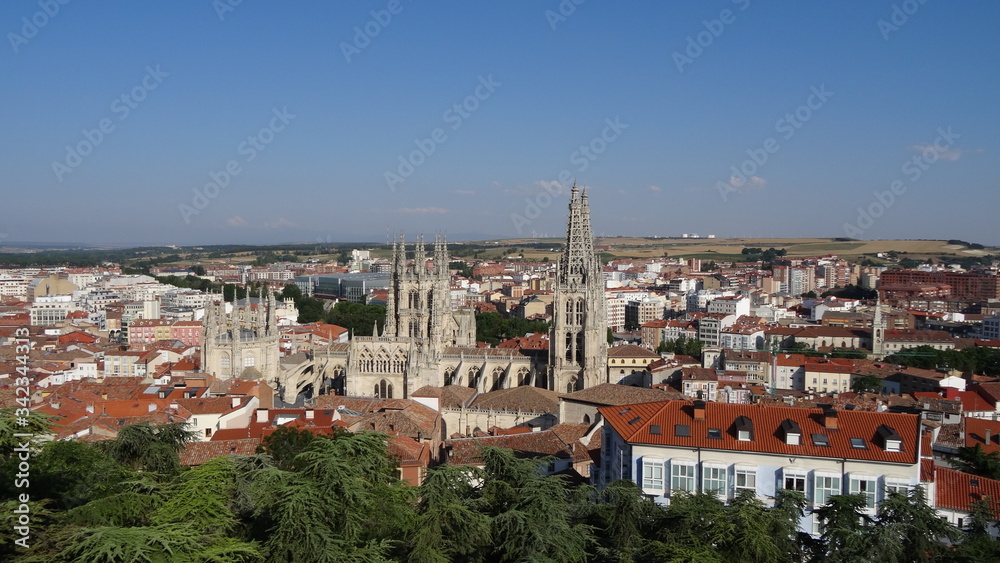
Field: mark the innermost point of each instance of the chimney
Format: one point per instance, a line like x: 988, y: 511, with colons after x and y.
x: 829, y: 417
x: 988, y: 436
x: 56, y: 405
x: 237, y: 401
x: 699, y: 410
x: 151, y: 407
x: 90, y: 408
x: 310, y: 414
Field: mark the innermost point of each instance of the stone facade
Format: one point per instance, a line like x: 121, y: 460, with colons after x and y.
x: 578, y: 350
x: 244, y: 342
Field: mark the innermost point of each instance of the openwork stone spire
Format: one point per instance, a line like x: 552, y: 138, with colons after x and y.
x: 578, y: 346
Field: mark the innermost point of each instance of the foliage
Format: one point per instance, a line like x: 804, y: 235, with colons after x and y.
x: 851, y: 291
x: 285, y: 443
x: 493, y: 327
x: 976, y: 461
x: 972, y: 359
x: 339, y: 498
x: 144, y: 447
x: 867, y: 384
x: 359, y: 318
x: 682, y: 345
x: 462, y: 268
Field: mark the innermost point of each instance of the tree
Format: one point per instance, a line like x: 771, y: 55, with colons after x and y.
x: 976, y: 461
x: 285, y: 443
x: 845, y: 535
x: 198, y: 270
x: 911, y: 530
x: 867, y: 384
x: 449, y: 526
x: 144, y: 447
x: 977, y: 544
x: 359, y: 318
x: 530, y: 512
x: 291, y: 291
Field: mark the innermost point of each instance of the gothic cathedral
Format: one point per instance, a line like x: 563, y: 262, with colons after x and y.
x: 578, y: 345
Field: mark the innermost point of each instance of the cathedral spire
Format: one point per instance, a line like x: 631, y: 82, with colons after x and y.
x: 578, y: 339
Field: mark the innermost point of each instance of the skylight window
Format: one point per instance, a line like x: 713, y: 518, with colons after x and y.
x: 715, y: 433
x: 654, y: 428
x: 682, y: 430
x: 821, y: 440
x: 634, y: 420
x: 858, y: 444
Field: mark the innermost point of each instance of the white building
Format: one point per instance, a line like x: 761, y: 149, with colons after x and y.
x: 720, y: 449
x: 730, y: 305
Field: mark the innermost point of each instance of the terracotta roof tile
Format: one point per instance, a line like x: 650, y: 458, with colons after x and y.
x: 199, y: 453
x: 957, y: 490
x: 614, y: 394
x: 633, y: 422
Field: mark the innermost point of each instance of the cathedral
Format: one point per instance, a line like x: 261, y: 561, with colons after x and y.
x: 242, y: 343
x: 426, y: 341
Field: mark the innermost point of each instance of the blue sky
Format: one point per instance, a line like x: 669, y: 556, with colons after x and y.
x: 548, y: 83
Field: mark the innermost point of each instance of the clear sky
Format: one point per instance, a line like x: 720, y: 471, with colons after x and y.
x: 314, y: 107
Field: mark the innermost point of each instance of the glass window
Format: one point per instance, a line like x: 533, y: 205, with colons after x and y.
x: 826, y: 487
x: 682, y: 477
x: 746, y: 478
x: 864, y: 486
x: 795, y: 482
x: 714, y: 480
x: 897, y: 486
x: 652, y: 474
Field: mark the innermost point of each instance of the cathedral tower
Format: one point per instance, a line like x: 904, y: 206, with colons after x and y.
x: 578, y: 345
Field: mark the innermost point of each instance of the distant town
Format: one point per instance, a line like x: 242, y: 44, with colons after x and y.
x: 756, y: 371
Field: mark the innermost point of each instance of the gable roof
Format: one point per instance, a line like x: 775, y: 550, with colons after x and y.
x: 634, y: 422
x: 615, y: 394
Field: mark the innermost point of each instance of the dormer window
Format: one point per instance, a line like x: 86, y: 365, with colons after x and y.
x: 744, y: 429
x: 793, y: 433
x: 891, y: 439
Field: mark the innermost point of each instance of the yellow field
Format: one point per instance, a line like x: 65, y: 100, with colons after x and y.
x: 727, y: 247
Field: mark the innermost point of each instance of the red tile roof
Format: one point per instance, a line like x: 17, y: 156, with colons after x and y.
x: 975, y: 434
x: 199, y: 453
x: 633, y: 423
x: 957, y: 490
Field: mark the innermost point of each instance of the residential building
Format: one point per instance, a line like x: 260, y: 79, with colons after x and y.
x: 717, y: 448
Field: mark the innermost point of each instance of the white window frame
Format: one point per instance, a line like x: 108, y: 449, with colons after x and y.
x: 650, y: 482
x: 799, y: 475
x: 822, y: 494
x: 745, y: 472
x: 715, y: 469
x: 896, y: 485
x: 683, y: 472
x: 870, y: 491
